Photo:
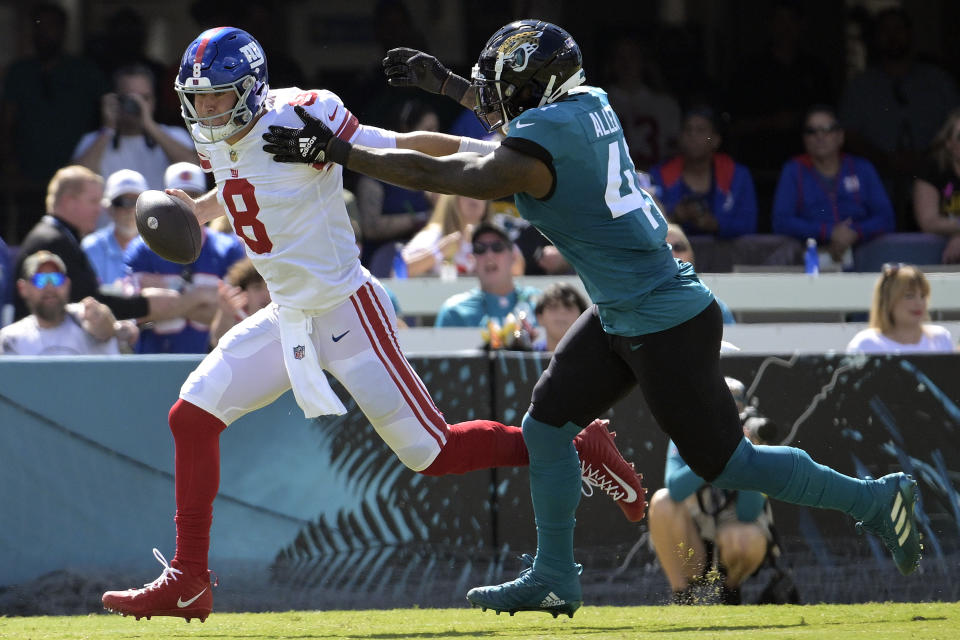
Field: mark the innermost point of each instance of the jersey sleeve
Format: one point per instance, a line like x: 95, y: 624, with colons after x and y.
x: 327, y: 107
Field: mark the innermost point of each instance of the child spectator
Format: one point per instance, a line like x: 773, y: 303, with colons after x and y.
x: 558, y: 308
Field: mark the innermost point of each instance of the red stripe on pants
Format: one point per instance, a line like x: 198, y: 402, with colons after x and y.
x: 397, y: 367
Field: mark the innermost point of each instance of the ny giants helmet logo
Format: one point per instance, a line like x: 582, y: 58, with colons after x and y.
x: 516, y: 49
x: 253, y: 54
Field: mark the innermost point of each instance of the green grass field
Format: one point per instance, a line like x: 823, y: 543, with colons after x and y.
x: 868, y: 621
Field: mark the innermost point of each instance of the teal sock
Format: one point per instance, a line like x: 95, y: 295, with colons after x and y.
x: 790, y: 474
x: 555, y: 490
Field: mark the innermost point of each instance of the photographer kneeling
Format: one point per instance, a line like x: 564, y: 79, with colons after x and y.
x: 710, y: 540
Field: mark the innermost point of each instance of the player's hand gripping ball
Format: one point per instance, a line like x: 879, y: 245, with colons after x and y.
x: 169, y: 227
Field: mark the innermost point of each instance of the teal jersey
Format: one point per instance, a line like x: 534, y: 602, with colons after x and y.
x: 608, y: 228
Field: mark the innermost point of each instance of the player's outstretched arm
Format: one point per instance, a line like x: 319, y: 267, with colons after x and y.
x: 494, y: 175
x: 484, y: 177
x: 411, y: 68
x: 206, y: 207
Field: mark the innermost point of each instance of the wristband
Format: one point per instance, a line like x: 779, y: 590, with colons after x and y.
x: 454, y: 86
x: 337, y: 150
x: 472, y: 145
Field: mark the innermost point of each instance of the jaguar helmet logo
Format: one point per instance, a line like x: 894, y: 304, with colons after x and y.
x: 517, y: 49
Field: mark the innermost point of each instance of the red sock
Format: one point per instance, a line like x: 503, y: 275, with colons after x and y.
x: 196, y: 436
x: 479, y: 444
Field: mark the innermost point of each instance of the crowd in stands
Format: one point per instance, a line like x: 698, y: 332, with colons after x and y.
x: 746, y: 174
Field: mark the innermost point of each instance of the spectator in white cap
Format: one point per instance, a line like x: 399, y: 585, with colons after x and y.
x: 105, y: 247
x: 186, y: 176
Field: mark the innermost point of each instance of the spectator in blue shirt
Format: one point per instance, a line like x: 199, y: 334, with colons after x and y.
x: 833, y: 197
x: 189, y: 334
x: 702, y: 190
x: 105, y: 247
x: 497, y: 296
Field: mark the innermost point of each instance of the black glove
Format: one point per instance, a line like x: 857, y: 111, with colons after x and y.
x: 411, y: 68
x: 312, y: 143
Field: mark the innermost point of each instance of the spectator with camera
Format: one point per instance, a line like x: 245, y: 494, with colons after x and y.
x: 710, y: 540
x: 129, y: 137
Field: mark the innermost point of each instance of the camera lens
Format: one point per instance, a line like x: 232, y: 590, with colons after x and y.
x: 129, y: 105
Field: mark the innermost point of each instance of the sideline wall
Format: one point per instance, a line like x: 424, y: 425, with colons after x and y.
x: 322, y: 509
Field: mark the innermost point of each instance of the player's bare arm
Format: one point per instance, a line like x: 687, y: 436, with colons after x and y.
x: 206, y: 207
x: 428, y: 142
x: 501, y: 173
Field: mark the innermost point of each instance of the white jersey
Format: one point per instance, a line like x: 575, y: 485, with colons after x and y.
x: 935, y: 339
x: 292, y: 217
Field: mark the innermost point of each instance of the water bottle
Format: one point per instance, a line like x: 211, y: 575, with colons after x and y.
x: 811, y: 260
x: 399, y: 266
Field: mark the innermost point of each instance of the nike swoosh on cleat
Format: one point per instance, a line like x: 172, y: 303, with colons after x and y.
x: 528, y: 124
x: 631, y: 494
x: 181, y: 604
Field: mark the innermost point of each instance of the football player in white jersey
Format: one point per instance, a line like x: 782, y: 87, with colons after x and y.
x: 327, y: 314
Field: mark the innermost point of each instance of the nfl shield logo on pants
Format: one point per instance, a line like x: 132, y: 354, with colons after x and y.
x: 298, y: 352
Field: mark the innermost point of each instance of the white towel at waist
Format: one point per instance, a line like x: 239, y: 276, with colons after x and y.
x: 310, y: 385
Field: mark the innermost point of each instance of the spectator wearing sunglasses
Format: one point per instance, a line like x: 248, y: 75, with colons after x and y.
x: 899, y: 322
x: 105, y: 246
x: 73, y: 203
x: 497, y: 295
x: 55, y: 326
x: 834, y: 197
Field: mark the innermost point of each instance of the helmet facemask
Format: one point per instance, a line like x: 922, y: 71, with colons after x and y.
x: 238, y: 116
x: 525, y: 65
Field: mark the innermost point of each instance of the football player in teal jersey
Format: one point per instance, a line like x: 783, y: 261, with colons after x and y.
x: 653, y: 323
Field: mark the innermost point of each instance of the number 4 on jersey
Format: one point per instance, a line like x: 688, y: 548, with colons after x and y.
x: 623, y: 193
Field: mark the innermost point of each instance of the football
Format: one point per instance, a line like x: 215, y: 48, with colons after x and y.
x: 168, y: 227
